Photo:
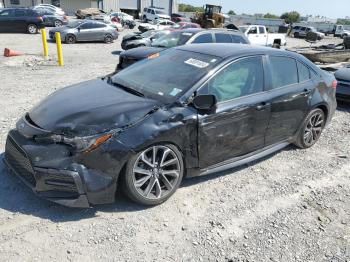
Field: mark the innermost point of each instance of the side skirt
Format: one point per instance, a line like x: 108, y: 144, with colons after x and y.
x: 237, y: 161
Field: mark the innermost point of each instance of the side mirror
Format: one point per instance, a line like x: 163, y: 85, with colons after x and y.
x: 204, y: 102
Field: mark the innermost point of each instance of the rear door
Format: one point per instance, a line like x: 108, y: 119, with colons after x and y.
x: 289, y: 97
x: 19, y: 20
x: 84, y: 31
x: 238, y: 125
x: 262, y: 36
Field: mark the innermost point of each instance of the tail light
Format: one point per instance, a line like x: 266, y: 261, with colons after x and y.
x: 334, y: 84
x: 65, y: 17
x: 40, y: 18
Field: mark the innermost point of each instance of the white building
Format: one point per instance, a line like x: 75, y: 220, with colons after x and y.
x: 133, y: 7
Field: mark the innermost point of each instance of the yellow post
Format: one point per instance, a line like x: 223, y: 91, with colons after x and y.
x: 43, y: 36
x: 59, y: 49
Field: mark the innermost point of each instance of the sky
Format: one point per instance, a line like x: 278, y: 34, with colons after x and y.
x: 331, y: 9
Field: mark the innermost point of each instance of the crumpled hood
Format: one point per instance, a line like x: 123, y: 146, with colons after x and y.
x: 141, y: 52
x: 89, y: 108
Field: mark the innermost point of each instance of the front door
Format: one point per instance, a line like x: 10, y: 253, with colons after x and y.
x: 239, y: 123
x: 290, y: 94
x: 5, y: 20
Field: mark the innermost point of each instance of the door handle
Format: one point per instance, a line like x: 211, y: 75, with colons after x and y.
x: 306, y: 92
x: 262, y: 106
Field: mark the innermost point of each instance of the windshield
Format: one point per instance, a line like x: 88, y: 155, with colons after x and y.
x: 74, y: 24
x: 172, y: 39
x: 167, y: 76
x: 243, y: 29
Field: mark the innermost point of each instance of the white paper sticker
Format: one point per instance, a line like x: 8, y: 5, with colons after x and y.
x: 196, y: 63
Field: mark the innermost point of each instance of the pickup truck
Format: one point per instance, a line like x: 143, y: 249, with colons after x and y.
x: 258, y: 35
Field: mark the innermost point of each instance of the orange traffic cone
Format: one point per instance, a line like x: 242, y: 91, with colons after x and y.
x: 9, y: 52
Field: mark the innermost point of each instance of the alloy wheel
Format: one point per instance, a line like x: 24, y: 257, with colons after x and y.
x: 32, y: 29
x: 58, y: 23
x: 156, y: 172
x: 313, y: 128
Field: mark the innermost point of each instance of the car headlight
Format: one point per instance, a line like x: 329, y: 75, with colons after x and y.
x: 80, y: 144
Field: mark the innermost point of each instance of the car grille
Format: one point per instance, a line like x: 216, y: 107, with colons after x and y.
x: 18, y: 160
x: 61, y: 182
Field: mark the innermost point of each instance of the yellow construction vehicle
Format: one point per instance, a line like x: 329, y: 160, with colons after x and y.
x: 211, y: 18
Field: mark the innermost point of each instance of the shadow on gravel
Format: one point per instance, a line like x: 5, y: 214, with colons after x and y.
x: 18, y: 198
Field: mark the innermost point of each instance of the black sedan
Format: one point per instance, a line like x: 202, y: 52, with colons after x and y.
x: 343, y: 89
x: 193, y: 110
x: 135, y: 40
x: 177, y: 38
x: 20, y: 20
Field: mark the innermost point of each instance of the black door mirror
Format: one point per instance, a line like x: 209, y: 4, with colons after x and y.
x: 204, y: 102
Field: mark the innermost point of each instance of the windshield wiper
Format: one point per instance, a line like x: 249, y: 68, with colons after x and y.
x: 125, y: 88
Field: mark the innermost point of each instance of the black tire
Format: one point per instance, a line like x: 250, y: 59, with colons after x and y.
x: 108, y: 39
x: 32, y: 29
x: 58, y: 23
x: 296, y: 35
x: 70, y: 39
x: 129, y: 180
x: 144, y: 18
x: 311, y: 129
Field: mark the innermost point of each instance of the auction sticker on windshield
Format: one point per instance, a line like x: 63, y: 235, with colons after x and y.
x: 196, y: 63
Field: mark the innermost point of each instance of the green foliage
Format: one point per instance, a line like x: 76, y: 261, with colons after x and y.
x: 231, y: 12
x: 190, y: 8
x: 291, y: 17
x: 343, y: 21
x: 271, y: 16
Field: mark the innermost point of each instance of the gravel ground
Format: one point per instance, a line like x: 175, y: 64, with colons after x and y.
x: 291, y: 206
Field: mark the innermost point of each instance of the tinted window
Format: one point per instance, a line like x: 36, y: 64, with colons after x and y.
x: 205, y: 38
x: 304, y: 72
x: 244, y: 77
x: 98, y: 26
x: 14, y: 2
x: 283, y: 71
x: 261, y: 30
x: 6, y: 13
x: 20, y: 13
x: 253, y: 30
x: 87, y: 26
x: 237, y: 39
x: 223, y: 38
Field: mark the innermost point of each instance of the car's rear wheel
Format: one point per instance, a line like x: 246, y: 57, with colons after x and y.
x: 32, y: 29
x: 296, y: 35
x: 58, y: 23
x: 154, y: 174
x: 70, y: 39
x: 108, y: 39
x: 311, y: 129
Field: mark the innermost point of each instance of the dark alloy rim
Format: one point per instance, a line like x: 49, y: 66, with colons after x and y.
x: 108, y: 39
x: 313, y: 129
x: 70, y: 39
x: 156, y: 172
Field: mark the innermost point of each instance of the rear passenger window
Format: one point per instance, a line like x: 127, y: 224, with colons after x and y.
x: 223, y: 38
x: 283, y: 71
x: 237, y: 39
x: 261, y: 30
x: 205, y: 38
x: 20, y: 12
x: 304, y: 72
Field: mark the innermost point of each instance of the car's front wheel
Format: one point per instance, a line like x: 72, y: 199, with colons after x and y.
x: 70, y: 39
x: 311, y: 129
x: 153, y: 174
x: 58, y: 23
x: 32, y: 29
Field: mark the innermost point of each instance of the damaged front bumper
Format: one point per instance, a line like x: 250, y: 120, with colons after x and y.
x: 53, y: 173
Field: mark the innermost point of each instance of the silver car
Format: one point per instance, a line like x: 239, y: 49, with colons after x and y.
x: 87, y: 30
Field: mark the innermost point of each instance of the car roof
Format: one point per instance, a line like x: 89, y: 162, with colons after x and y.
x: 225, y: 50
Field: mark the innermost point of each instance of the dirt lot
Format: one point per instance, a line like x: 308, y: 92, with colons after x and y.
x: 292, y: 206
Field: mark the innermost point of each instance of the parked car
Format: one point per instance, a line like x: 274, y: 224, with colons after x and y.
x: 20, y: 20
x: 87, y: 30
x: 185, y: 25
x: 339, y: 31
x: 258, y: 35
x: 135, y: 40
x: 194, y: 110
x: 122, y: 16
x: 51, y: 8
x: 87, y: 12
x: 176, y: 18
x: 159, y: 24
x: 51, y: 18
x: 304, y: 30
x: 343, y: 88
x: 151, y: 14
x: 180, y: 37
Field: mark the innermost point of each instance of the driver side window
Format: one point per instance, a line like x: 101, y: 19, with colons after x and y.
x: 241, y: 78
